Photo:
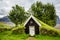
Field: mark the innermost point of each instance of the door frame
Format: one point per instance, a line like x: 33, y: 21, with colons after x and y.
x: 31, y: 30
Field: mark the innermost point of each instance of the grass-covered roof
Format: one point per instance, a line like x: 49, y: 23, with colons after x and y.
x: 43, y: 25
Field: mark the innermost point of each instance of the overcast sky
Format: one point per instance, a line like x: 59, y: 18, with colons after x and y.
x: 6, y: 5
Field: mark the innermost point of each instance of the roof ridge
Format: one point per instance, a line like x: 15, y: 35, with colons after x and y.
x: 33, y: 19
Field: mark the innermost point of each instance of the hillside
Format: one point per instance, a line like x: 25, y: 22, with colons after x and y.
x: 6, y: 20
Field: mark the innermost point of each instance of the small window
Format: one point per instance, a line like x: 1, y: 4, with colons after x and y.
x: 31, y: 22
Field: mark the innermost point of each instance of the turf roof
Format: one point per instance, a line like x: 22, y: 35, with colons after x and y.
x: 43, y: 25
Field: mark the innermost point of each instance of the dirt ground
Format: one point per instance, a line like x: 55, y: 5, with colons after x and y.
x: 30, y: 38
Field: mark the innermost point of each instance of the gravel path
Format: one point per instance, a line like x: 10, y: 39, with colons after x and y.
x: 30, y: 38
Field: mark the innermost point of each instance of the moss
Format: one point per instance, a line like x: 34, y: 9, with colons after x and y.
x: 48, y: 28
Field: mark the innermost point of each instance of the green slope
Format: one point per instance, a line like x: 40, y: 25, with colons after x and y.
x: 43, y: 25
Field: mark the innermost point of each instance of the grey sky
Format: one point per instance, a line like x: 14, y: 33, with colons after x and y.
x: 6, y: 5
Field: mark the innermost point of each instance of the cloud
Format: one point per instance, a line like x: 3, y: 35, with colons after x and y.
x: 6, y: 5
x: 57, y: 7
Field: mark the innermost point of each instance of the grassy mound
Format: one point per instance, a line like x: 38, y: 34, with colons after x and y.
x: 4, y: 27
x: 46, y: 29
x: 20, y: 29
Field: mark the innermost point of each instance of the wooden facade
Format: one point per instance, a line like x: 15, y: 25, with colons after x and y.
x: 31, y: 22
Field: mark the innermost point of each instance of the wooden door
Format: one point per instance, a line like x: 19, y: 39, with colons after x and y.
x: 31, y: 30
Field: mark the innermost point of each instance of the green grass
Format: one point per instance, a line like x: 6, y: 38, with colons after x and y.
x: 4, y: 25
x: 46, y: 37
x: 43, y: 25
x: 7, y: 35
x: 19, y: 26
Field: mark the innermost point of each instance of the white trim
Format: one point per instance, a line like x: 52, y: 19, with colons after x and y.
x: 33, y: 19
